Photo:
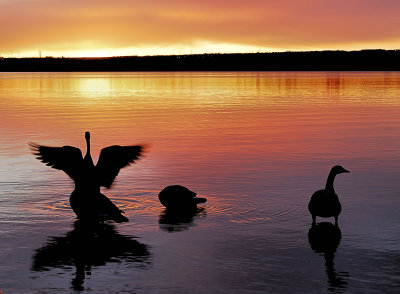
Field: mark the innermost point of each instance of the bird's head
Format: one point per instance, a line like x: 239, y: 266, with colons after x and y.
x: 87, y: 135
x: 338, y: 169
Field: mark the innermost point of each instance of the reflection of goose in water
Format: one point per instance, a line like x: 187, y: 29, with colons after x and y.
x: 324, y: 239
x: 325, y: 203
x: 89, y: 245
x: 181, y: 208
x: 86, y: 200
x: 176, y: 221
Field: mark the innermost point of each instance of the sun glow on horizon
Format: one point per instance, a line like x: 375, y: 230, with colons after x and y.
x: 86, y: 28
x: 198, y: 47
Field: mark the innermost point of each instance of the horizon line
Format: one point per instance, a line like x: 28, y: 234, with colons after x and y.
x: 194, y: 54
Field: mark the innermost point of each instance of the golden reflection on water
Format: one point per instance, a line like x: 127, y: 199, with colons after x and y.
x: 204, y: 126
x: 256, y: 144
x: 147, y: 103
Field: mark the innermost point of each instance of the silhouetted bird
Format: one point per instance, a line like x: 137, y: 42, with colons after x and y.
x: 325, y: 203
x: 86, y: 200
x: 177, y: 197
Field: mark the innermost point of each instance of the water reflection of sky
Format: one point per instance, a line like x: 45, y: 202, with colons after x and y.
x: 257, y: 145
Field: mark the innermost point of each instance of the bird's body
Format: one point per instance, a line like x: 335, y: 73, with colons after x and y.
x: 325, y: 203
x: 94, y: 207
x: 86, y: 200
x: 177, y: 197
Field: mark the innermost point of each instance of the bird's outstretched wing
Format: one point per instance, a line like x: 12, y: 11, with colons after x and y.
x: 112, y: 159
x: 66, y: 158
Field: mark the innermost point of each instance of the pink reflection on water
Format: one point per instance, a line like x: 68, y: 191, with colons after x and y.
x: 218, y: 133
x: 256, y: 145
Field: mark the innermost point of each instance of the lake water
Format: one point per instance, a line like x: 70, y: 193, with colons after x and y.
x: 255, y: 144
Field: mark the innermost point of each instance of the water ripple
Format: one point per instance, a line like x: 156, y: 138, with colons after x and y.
x: 242, y: 210
x: 239, y: 209
x: 140, y: 202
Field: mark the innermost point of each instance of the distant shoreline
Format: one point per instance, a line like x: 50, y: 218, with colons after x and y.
x: 363, y: 60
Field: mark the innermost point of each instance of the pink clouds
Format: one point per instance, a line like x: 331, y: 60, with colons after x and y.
x: 285, y: 24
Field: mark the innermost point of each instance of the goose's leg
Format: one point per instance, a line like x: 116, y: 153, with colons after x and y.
x: 314, y: 217
x: 79, y: 279
x: 336, y: 220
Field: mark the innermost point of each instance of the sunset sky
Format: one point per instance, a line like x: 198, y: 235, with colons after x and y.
x: 77, y: 28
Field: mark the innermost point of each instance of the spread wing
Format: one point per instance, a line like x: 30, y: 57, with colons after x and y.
x: 113, y: 158
x: 66, y: 158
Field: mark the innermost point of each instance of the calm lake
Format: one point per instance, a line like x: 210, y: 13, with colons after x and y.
x: 255, y: 144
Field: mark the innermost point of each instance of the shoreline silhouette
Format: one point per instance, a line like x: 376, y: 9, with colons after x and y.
x: 329, y: 60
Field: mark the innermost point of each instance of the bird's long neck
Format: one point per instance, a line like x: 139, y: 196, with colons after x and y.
x: 329, y: 182
x: 87, y: 156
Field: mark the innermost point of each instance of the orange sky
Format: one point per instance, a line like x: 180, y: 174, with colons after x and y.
x: 132, y: 27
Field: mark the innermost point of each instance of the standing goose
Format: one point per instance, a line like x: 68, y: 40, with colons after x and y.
x: 325, y: 203
x: 86, y: 200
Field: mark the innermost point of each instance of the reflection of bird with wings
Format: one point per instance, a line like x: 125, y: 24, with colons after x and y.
x: 86, y: 200
x: 89, y: 245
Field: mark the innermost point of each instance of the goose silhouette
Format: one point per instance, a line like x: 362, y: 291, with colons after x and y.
x: 325, y: 203
x: 86, y: 200
x: 177, y: 197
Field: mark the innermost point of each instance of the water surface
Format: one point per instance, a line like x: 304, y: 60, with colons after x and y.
x: 256, y: 144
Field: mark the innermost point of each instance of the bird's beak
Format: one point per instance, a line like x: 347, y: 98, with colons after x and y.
x: 346, y: 171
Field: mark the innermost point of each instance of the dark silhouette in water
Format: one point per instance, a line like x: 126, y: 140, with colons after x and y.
x: 176, y: 221
x: 181, y: 208
x: 179, y: 198
x: 325, y: 203
x: 86, y: 200
x: 324, y: 238
x: 89, y: 245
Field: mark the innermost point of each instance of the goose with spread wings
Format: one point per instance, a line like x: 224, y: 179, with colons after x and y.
x: 86, y: 200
